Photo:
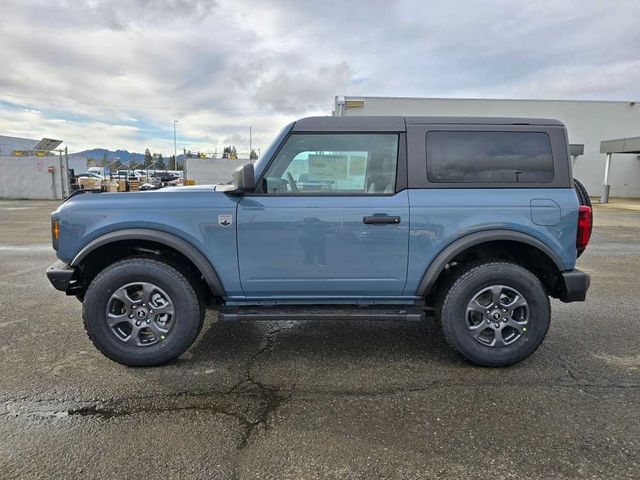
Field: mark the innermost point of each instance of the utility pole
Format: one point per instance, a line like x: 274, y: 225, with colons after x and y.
x: 175, y: 149
x: 62, y: 189
x: 250, y: 141
x: 66, y: 164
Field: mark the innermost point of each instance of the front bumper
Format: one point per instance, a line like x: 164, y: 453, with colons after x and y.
x: 60, y: 275
x: 575, y: 284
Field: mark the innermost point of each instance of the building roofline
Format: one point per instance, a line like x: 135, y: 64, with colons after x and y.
x: 478, y: 99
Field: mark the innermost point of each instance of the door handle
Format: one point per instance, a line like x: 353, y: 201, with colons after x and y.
x: 381, y: 219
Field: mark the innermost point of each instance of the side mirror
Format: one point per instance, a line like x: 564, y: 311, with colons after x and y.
x: 244, y: 178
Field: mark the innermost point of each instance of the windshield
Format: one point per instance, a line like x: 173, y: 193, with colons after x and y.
x: 270, y: 150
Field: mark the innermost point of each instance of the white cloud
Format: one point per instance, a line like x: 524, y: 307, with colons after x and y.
x: 118, y: 72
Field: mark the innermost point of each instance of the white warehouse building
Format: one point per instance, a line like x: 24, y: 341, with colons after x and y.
x: 588, y: 123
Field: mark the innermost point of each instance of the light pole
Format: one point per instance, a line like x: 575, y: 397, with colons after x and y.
x: 175, y: 149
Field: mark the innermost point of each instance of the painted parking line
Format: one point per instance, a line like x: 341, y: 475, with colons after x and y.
x: 36, y: 247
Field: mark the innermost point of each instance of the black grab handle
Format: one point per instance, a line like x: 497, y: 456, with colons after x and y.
x: 381, y: 219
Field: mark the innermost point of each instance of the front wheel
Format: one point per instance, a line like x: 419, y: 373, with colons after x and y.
x: 142, y: 312
x: 496, y: 314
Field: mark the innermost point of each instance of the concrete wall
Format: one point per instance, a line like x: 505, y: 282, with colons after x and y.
x: 588, y: 122
x: 78, y: 165
x: 28, y: 177
x: 211, y: 171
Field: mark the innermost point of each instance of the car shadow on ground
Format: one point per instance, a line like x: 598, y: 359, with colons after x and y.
x: 282, y: 347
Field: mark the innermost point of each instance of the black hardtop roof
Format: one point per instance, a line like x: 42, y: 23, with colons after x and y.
x: 389, y: 123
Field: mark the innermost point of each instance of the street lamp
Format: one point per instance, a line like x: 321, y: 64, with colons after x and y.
x: 175, y: 149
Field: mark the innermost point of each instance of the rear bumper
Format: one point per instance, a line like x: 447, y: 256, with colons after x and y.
x: 575, y: 284
x: 60, y: 275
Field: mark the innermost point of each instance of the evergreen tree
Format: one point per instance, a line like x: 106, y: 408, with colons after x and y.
x: 148, y: 158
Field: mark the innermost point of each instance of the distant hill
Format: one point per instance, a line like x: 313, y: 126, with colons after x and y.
x: 125, y: 156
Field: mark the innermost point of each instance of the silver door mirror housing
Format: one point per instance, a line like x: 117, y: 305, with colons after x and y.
x: 244, y: 178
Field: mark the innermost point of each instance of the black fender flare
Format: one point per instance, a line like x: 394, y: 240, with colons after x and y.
x: 463, y: 243
x: 187, y: 249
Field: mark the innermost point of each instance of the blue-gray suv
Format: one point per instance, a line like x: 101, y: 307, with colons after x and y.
x: 477, y: 221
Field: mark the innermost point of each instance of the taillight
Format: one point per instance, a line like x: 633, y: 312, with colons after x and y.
x: 585, y: 220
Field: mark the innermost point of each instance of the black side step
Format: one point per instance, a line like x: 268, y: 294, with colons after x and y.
x: 306, y: 312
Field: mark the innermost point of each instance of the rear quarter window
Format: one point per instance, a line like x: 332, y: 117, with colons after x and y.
x: 489, y: 157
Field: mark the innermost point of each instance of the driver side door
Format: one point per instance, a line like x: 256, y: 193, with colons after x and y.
x: 326, y: 220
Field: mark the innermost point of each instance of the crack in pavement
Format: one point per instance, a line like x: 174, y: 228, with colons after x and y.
x: 214, y: 401
x: 272, y: 397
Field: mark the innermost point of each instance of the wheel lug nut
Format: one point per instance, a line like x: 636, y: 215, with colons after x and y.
x: 148, y: 320
x: 130, y: 316
x: 137, y: 324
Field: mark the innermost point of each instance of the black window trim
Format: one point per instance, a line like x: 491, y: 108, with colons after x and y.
x: 401, y: 167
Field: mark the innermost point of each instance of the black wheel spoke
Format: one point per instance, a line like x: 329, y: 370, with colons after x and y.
x: 147, y: 292
x: 496, y: 292
x: 520, y: 327
x: 113, y: 319
x: 122, y: 295
x: 134, y: 337
x: 476, y: 307
x: 159, y: 332
x: 518, y: 302
x: 165, y: 309
x: 476, y: 330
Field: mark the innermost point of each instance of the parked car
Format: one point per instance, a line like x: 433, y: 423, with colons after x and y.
x: 102, y: 172
x: 476, y: 220
x: 89, y: 175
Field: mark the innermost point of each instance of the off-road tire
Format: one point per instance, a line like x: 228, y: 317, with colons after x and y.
x: 189, y: 311
x: 453, y: 315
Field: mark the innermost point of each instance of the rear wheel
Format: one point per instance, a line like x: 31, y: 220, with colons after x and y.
x: 142, y: 312
x: 495, y: 314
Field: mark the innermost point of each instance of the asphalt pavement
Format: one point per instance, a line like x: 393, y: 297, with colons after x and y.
x: 338, y: 399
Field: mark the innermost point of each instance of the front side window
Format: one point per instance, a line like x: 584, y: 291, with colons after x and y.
x: 334, y: 163
x: 489, y: 157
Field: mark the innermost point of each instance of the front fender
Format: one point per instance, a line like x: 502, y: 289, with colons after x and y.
x: 164, y: 238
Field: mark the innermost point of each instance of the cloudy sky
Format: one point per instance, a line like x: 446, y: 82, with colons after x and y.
x: 116, y: 73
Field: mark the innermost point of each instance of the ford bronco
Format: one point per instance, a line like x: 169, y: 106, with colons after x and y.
x: 477, y: 221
